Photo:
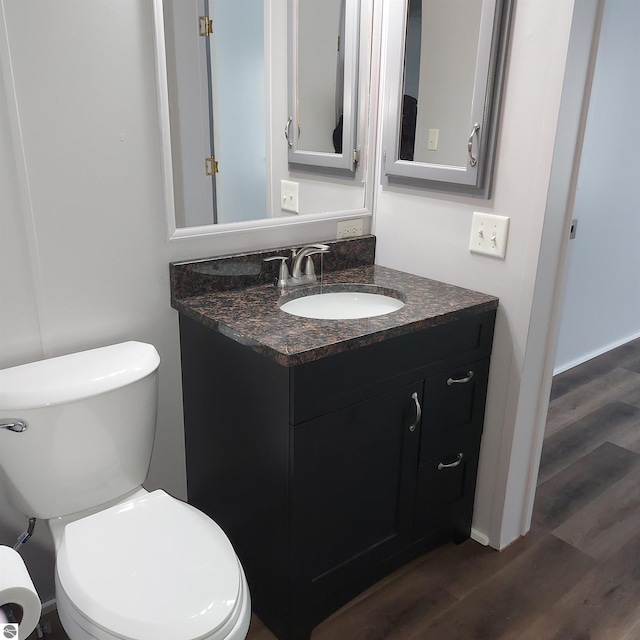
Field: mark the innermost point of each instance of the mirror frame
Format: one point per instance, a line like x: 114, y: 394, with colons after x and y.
x: 269, y: 231
x: 485, y: 108
x: 348, y: 159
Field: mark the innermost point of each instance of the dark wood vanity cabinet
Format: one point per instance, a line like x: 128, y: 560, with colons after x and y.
x: 330, y: 474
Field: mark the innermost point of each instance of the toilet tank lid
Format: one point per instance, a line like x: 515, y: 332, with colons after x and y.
x: 75, y: 376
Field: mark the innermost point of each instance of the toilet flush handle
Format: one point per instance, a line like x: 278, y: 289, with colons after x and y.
x: 13, y: 424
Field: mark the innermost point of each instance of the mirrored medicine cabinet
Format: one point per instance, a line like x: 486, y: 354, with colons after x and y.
x: 224, y: 72
x: 321, y: 129
x: 444, y: 70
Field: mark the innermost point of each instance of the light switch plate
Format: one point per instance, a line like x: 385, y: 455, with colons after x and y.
x: 289, y: 199
x: 489, y: 234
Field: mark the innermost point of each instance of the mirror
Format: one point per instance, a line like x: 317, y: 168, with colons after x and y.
x: 323, y: 71
x: 219, y: 135
x: 224, y: 102
x: 444, y: 74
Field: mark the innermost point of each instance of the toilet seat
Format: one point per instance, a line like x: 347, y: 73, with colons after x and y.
x: 151, y: 567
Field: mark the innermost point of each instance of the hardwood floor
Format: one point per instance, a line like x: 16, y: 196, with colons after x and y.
x: 575, y: 576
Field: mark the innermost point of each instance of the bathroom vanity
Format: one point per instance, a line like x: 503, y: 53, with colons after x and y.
x: 330, y: 451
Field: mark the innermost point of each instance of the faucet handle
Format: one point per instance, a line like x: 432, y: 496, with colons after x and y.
x: 309, y: 267
x: 283, y: 272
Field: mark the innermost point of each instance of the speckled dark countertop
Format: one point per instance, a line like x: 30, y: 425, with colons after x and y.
x: 251, y: 315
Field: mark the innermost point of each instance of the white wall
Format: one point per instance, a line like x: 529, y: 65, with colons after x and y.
x: 428, y: 233
x: 602, y: 300
x: 19, y: 317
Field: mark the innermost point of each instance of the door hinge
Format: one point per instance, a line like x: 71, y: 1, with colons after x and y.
x: 356, y: 156
x: 211, y: 166
x: 206, y: 26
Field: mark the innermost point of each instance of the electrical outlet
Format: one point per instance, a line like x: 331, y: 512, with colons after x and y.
x: 349, y: 228
x: 489, y: 234
x: 289, y: 196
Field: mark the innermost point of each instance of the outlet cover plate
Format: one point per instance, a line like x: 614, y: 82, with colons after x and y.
x: 489, y: 234
x: 349, y: 228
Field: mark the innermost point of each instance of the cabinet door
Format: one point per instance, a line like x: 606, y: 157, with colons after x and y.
x: 449, y: 449
x: 353, y: 488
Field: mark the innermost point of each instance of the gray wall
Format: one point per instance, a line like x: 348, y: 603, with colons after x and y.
x: 602, y: 299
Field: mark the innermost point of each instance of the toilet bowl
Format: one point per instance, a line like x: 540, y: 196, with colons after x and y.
x: 130, y: 564
x: 150, y: 567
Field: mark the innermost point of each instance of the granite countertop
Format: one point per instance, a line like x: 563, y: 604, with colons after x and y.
x: 251, y: 315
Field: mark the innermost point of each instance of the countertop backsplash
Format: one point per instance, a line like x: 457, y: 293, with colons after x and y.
x: 239, y: 271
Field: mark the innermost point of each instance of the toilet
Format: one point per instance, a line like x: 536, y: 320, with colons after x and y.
x: 76, y: 435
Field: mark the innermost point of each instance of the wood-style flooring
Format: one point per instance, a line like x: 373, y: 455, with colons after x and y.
x: 575, y: 576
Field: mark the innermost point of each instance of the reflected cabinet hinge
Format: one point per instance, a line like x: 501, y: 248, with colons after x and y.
x: 356, y: 156
x: 211, y: 165
x: 206, y: 26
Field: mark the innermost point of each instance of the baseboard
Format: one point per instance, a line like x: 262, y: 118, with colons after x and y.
x: 594, y: 354
x: 480, y: 537
x: 48, y: 606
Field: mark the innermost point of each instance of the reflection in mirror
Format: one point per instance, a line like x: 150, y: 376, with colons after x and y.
x: 320, y: 75
x: 226, y: 98
x: 444, y: 76
x: 218, y: 116
x: 323, y: 61
x: 438, y: 93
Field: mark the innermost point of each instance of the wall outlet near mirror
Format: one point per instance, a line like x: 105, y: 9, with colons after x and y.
x: 432, y: 141
x: 349, y: 228
x: 489, y: 234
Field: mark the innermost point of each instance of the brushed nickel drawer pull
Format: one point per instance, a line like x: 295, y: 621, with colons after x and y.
x: 451, y: 381
x: 452, y: 464
x: 414, y: 397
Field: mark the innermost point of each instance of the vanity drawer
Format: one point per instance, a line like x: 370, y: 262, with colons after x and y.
x: 453, y: 404
x: 352, y: 376
x: 445, y: 488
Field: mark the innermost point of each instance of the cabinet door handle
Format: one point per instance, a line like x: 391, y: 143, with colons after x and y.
x: 473, y: 161
x: 451, y: 381
x: 452, y: 464
x: 413, y: 425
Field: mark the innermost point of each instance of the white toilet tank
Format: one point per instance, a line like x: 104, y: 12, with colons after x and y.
x: 90, y: 419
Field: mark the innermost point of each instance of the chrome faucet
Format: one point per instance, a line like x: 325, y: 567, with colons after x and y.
x: 297, y: 276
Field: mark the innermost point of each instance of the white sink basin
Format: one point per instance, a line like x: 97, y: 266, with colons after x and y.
x: 342, y: 305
